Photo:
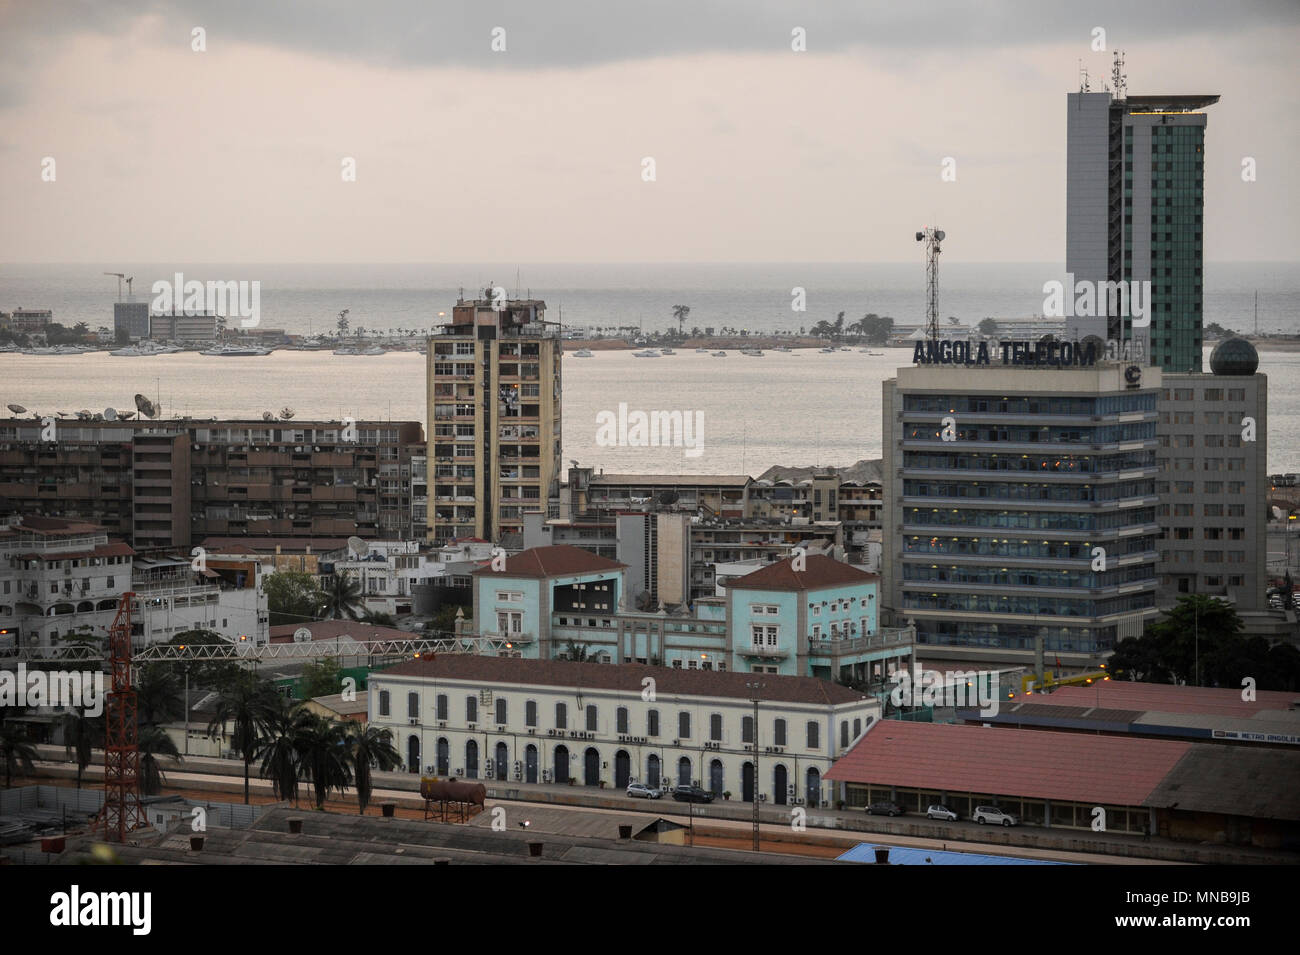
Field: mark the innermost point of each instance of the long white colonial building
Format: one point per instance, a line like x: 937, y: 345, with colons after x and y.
x: 560, y: 722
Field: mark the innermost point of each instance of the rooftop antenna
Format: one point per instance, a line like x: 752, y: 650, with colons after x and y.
x: 1118, y: 78
x: 1083, y: 78
x: 1256, y: 313
x: 932, y: 238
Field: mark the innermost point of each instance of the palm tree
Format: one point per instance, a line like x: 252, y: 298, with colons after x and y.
x: 280, y: 757
x: 680, y: 312
x: 159, y: 696
x: 17, y: 750
x: 81, y: 733
x: 839, y: 324
x: 369, y: 746
x: 343, y: 596
x: 379, y: 619
x: 154, y: 742
x: 246, y: 704
x: 323, y: 756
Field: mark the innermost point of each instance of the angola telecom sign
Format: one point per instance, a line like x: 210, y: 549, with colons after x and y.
x: 1048, y: 354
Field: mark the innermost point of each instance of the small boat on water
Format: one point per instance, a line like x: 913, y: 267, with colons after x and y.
x: 751, y: 352
x: 583, y: 353
x: 374, y: 350
x: 236, y: 351
x: 145, y: 349
x: 667, y: 351
x: 646, y: 353
x: 701, y: 351
x: 719, y: 354
x: 783, y: 348
x: 828, y: 351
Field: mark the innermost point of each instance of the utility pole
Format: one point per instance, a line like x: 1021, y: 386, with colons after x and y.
x: 755, y: 687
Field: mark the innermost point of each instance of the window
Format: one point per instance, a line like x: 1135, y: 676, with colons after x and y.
x: 844, y: 734
x: 384, y: 703
x: 715, y: 727
x: 471, y: 710
x: 591, y: 719
x: 442, y: 707
x: 620, y: 718
x: 530, y: 713
x: 747, y: 729
x: 510, y: 597
x: 652, y: 723
x: 778, y: 733
x: 814, y: 735
x: 768, y: 609
x: 684, y: 725
x: 561, y: 716
x: 501, y: 711
x: 413, y: 705
x: 763, y: 636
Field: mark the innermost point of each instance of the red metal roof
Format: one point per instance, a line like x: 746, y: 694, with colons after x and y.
x: 114, y: 549
x: 558, y: 560
x: 1167, y: 698
x: 820, y: 571
x: 1032, y: 764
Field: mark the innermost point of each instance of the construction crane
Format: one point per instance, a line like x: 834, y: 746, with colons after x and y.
x: 1043, y: 680
x: 122, y: 811
x: 120, y: 277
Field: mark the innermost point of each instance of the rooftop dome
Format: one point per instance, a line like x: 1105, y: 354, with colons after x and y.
x: 1234, y: 356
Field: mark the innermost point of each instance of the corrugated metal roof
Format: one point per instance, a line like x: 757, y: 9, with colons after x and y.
x: 557, y: 560
x: 1166, y: 698
x: 907, y: 855
x: 1032, y: 764
x: 1234, y: 780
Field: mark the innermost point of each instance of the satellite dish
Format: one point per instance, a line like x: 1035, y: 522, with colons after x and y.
x: 358, y: 546
x: 267, y: 416
x: 110, y: 414
x: 127, y: 415
x: 17, y: 409
x: 940, y: 235
x: 286, y: 413
x: 145, y: 406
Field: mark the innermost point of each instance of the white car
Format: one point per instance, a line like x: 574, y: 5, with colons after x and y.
x: 641, y: 791
x: 941, y: 812
x: 994, y: 815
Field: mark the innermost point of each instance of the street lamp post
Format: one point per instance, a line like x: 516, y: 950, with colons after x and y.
x: 755, y: 687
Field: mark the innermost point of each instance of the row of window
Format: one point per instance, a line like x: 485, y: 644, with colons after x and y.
x: 591, y: 717
x: 1031, y: 404
x: 1014, y: 491
x: 993, y: 547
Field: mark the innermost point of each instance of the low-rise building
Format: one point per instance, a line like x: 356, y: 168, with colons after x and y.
x: 546, y: 721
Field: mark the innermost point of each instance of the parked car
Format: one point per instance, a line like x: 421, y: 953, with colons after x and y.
x: 642, y: 791
x: 692, y: 794
x: 885, y: 809
x: 994, y: 815
x: 941, y: 812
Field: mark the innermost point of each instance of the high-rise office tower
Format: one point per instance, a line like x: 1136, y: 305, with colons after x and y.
x: 494, y: 419
x: 1134, y: 213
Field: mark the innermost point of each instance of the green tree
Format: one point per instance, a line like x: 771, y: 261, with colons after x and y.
x: 246, y: 704
x: 574, y: 651
x: 323, y: 756
x: 679, y: 315
x: 877, y: 328
x: 379, y: 619
x: 154, y: 742
x: 343, y: 596
x: 369, y: 748
x: 16, y: 750
x: 213, y: 674
x: 444, y: 619
x: 159, y: 694
x: 321, y: 678
x: 293, y: 597
x: 279, y: 750
x: 81, y: 734
x: 988, y: 327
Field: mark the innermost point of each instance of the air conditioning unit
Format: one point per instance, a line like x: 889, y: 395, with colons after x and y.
x: 459, y: 772
x: 501, y: 729
x: 414, y: 721
x: 442, y: 724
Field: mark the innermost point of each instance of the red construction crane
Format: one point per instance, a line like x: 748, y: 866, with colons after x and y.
x: 122, y: 811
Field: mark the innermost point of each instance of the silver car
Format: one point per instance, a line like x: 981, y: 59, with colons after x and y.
x: 641, y: 791
x: 994, y: 815
x: 941, y: 812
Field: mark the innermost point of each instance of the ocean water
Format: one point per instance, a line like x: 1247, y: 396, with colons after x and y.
x: 799, y: 408
x: 757, y: 297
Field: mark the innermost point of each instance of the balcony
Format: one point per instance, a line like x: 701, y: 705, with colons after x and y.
x: 763, y: 653
x: 883, y: 640
x: 515, y: 638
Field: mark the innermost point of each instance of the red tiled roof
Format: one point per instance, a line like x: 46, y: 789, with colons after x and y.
x: 113, y: 549
x: 289, y: 546
x: 329, y: 629
x: 1032, y: 764
x: 819, y: 571
x: 558, y: 560
x: 55, y: 526
x: 1167, y: 698
x: 515, y: 671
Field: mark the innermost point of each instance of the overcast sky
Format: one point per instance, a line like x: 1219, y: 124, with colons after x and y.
x: 535, y: 153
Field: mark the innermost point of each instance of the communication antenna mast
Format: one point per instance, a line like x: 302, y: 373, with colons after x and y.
x: 1083, y: 78
x: 1118, y: 78
x: 932, y: 238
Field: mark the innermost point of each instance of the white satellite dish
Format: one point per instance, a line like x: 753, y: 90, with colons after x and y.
x: 358, y: 546
x: 110, y: 414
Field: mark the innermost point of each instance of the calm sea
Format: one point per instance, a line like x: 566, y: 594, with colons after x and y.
x: 798, y: 408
